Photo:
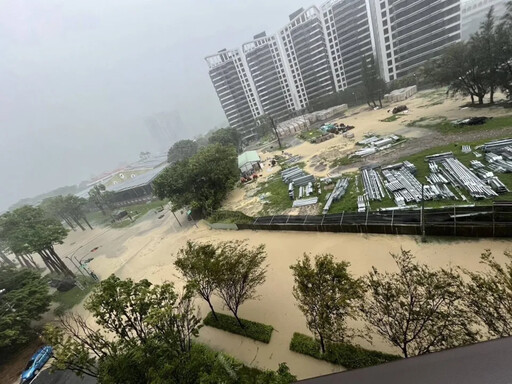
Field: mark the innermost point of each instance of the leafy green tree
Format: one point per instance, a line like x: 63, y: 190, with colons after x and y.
x: 486, y: 51
x: 24, y: 298
x: 201, y: 182
x: 199, y: 264
x: 326, y: 294
x: 103, y: 199
x: 504, y: 42
x: 4, y: 259
x: 489, y: 295
x: 225, y: 136
x: 68, y: 208
x: 266, y: 124
x: 28, y: 230
x: 373, y: 84
x: 182, y: 150
x: 242, y: 270
x: 417, y: 309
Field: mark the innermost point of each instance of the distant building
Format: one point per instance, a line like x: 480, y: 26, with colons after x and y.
x: 268, y: 71
x: 235, y: 90
x: 473, y: 12
x: 306, y: 56
x: 412, y: 32
x: 349, y: 35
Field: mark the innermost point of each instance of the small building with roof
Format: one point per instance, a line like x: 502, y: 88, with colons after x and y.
x: 249, y: 162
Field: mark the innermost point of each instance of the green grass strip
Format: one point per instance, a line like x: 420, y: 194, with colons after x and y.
x: 344, y: 354
x: 251, y: 329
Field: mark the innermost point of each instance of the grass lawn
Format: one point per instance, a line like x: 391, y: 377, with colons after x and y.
x: 309, y: 135
x: 348, y: 202
x: 278, y: 199
x: 230, y: 217
x: 341, y: 161
x: 67, y: 300
x: 136, y: 211
x: 344, y: 354
x: 443, y: 125
x: 391, y: 118
x: 253, y: 330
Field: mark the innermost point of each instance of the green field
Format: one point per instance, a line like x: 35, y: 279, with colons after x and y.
x: 391, y: 118
x: 441, y: 124
x: 67, y: 300
x: 136, y: 211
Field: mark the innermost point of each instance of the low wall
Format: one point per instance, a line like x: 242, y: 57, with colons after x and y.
x: 225, y: 226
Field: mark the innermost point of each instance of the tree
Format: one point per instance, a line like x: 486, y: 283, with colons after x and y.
x: 182, y: 150
x: 201, y: 182
x: 460, y: 70
x: 103, y: 199
x: 326, y: 294
x: 24, y: 298
x: 145, y: 336
x: 373, y: 84
x: 28, y: 230
x: 504, y: 42
x: 485, y: 50
x: 241, y: 272
x: 68, y: 208
x: 199, y: 265
x: 417, y: 309
x: 266, y: 123
x: 489, y: 295
x: 225, y: 136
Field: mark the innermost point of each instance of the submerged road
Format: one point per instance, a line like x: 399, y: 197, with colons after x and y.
x: 62, y: 377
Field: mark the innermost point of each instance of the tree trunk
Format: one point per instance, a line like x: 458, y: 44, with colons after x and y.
x: 480, y: 99
x: 78, y: 223
x: 472, y: 99
x: 368, y: 102
x: 62, y: 265
x: 213, y: 311
x: 237, y: 319
x: 87, y: 222
x: 491, y: 96
x: 50, y: 263
x: 5, y: 260
x: 68, y: 222
x: 31, y: 259
x: 380, y: 101
x: 322, y: 343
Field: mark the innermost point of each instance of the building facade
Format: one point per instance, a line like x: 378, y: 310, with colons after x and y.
x: 235, y: 90
x: 410, y: 32
x: 350, y: 37
x: 473, y: 12
x: 304, y: 50
x: 320, y: 51
x: 268, y: 72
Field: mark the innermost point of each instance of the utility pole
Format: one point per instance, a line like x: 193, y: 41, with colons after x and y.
x: 77, y: 267
x: 275, y: 131
x: 176, y: 218
x: 423, y: 238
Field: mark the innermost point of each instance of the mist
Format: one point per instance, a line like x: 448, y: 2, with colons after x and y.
x: 79, y: 80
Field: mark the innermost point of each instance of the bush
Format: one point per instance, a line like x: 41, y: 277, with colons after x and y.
x: 253, y: 330
x: 348, y: 355
x: 229, y: 217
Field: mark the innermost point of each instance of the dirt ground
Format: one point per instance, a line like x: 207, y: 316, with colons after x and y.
x: 318, y: 157
x: 148, y: 250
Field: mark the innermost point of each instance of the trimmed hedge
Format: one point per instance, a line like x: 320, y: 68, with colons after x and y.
x: 253, y: 330
x: 230, y: 217
x: 347, y: 355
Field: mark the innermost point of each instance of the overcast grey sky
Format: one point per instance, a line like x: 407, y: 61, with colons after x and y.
x: 78, y: 78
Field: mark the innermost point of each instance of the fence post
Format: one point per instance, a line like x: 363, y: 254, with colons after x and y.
x: 454, y: 220
x: 323, y: 217
x: 272, y: 219
x: 288, y: 218
x: 392, y: 219
x: 493, y: 222
x: 341, y: 221
x: 366, y: 222
x: 305, y: 219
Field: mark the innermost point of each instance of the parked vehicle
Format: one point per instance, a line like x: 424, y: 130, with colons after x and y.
x: 35, y: 364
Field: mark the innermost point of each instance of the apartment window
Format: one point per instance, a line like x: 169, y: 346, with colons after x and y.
x: 391, y: 77
x: 386, y: 39
x: 383, y: 14
x: 385, y: 22
x: 390, y: 62
x: 388, y: 47
x: 388, y: 55
x: 382, y: 5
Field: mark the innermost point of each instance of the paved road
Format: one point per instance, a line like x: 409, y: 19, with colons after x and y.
x: 62, y: 377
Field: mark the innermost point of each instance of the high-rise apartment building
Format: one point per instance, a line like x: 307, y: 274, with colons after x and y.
x: 320, y: 50
x: 473, y: 12
x: 410, y: 32
x: 306, y: 57
x: 349, y: 35
x: 268, y: 72
x: 235, y: 90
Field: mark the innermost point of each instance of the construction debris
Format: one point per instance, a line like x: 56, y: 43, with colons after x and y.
x: 304, y: 202
x: 339, y: 191
x: 372, y: 184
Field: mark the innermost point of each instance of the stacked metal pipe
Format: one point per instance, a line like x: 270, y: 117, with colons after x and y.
x: 467, y: 179
x: 338, y: 192
x: 372, y: 184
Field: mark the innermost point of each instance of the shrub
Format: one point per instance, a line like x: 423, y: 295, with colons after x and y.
x: 348, y: 355
x: 228, y: 217
x: 252, y: 329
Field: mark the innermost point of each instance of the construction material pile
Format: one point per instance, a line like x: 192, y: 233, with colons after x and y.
x: 403, y: 185
x: 374, y: 144
x: 338, y: 192
x: 462, y: 177
x: 296, y: 177
x: 372, y: 184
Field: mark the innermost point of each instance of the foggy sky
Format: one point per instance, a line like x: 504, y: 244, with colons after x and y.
x: 78, y: 79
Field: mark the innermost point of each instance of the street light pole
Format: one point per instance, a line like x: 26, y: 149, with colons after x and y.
x: 77, y: 267
x: 423, y: 238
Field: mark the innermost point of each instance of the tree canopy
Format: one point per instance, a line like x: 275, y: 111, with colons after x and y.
x: 489, y: 295
x: 326, y: 293
x: 28, y: 230
x: 417, y: 309
x: 226, y: 136
x: 182, y: 150
x: 201, y: 182
x: 26, y: 298
x: 374, y: 86
x: 146, y: 335
x: 70, y: 209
